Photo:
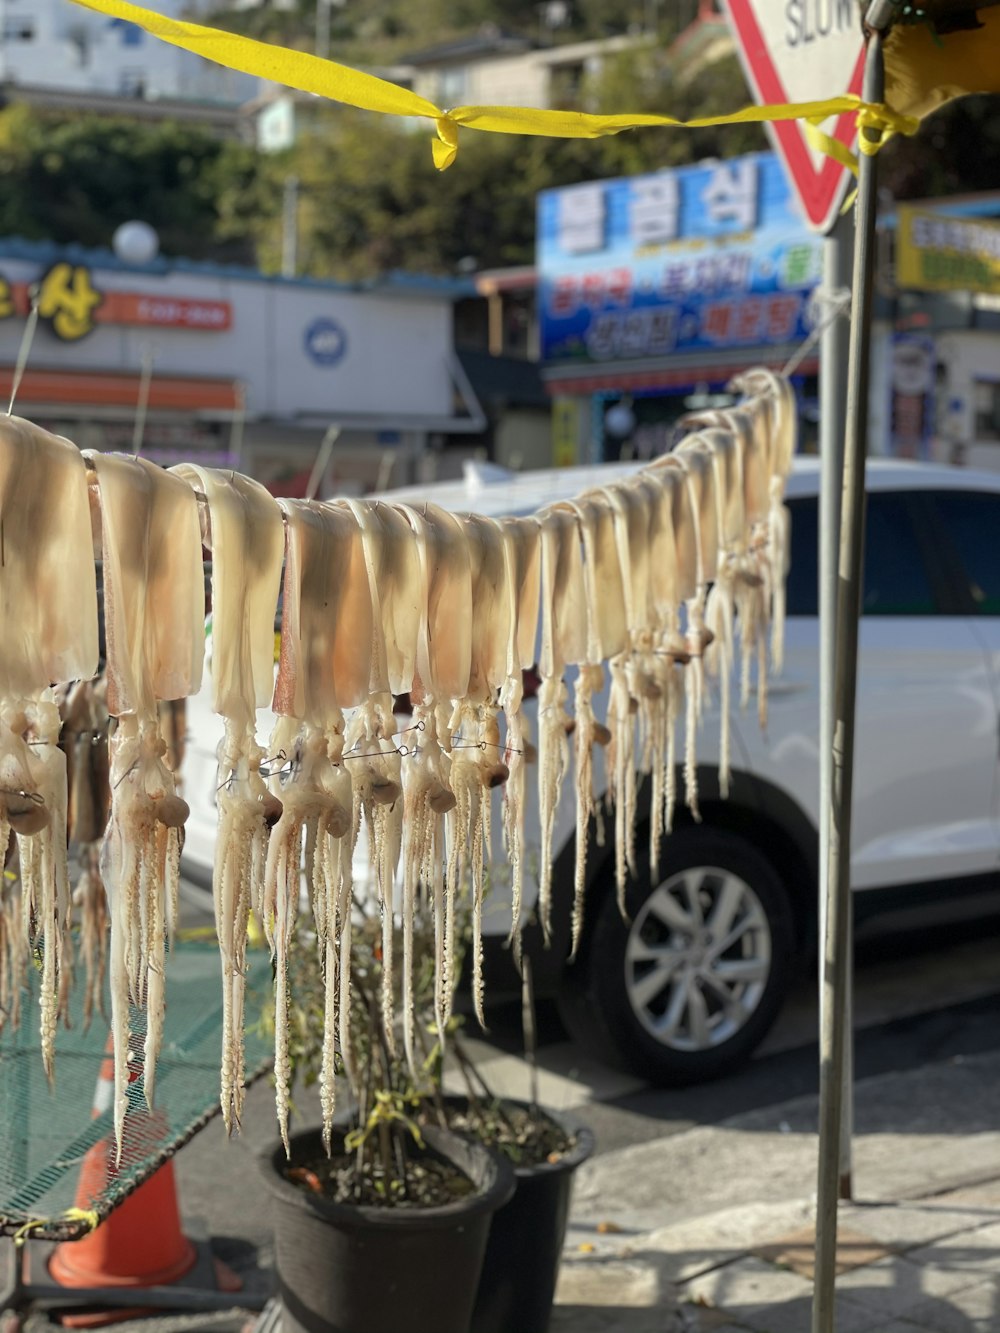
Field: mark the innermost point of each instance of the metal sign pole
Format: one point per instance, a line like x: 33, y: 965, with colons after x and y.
x: 835, y: 958
x: 838, y: 254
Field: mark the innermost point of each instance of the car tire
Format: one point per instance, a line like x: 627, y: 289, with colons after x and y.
x: 713, y: 1007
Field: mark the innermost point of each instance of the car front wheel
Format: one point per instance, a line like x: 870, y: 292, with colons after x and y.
x: 688, y: 987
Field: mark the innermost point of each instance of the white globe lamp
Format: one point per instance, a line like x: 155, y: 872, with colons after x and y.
x: 619, y: 421
x: 136, y: 243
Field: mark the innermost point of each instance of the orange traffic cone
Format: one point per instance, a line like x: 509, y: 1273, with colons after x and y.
x: 140, y: 1244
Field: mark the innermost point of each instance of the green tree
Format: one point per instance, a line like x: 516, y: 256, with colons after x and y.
x: 372, y: 201
x: 77, y: 179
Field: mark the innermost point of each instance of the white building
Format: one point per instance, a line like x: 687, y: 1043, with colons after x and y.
x: 493, y: 68
x: 58, y: 44
x: 245, y: 370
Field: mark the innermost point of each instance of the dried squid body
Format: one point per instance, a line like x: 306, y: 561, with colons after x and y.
x: 478, y: 766
x: 695, y: 545
x: 154, y: 608
x: 606, y: 637
x: 745, y: 577
x: 657, y: 639
x: 242, y: 526
x: 442, y: 671
x: 48, y: 599
x: 633, y: 505
x: 733, y: 567
x: 771, y: 403
x: 522, y: 559
x: 326, y: 635
x: 563, y: 640
x: 410, y: 824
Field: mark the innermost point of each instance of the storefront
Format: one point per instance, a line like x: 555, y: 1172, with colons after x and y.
x: 655, y: 290
x: 947, y: 303
x: 236, y: 368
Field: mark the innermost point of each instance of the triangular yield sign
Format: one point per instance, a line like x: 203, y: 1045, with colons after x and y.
x: 803, y: 50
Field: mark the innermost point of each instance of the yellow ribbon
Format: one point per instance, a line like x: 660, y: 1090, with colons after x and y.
x: 367, y: 92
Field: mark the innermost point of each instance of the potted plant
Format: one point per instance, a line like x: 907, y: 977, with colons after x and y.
x: 378, y: 1228
x: 389, y: 1229
x: 544, y: 1148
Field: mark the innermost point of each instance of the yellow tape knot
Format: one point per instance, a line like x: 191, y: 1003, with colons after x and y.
x: 877, y: 123
x: 445, y: 146
x: 89, y: 1216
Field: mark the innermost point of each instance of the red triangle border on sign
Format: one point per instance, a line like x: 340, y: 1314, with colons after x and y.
x: 818, y: 191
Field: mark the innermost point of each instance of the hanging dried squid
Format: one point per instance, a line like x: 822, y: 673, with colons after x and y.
x: 154, y: 609
x: 695, y: 547
x: 477, y: 763
x: 771, y: 404
x: 661, y: 651
x: 522, y: 557
x: 606, y: 639
x: 633, y: 506
x: 48, y: 599
x: 733, y: 574
x: 241, y: 525
x: 326, y: 637
x: 563, y: 640
x: 441, y: 677
x: 396, y: 587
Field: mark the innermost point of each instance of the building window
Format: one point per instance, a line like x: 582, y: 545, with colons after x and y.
x: 986, y: 405
x: 18, y: 30
x: 129, y: 34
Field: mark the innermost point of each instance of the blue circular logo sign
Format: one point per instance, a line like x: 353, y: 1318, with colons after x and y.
x: 325, y: 342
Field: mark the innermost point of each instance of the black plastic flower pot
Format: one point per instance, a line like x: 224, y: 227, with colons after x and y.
x: 521, y: 1266
x: 355, y: 1269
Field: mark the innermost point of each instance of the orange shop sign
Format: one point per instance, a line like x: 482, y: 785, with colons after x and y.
x: 72, y: 305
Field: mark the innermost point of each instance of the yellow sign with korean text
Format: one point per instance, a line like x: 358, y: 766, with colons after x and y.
x: 565, y: 432
x: 936, y: 253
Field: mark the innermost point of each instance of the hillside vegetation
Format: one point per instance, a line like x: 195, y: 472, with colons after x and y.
x: 370, y: 199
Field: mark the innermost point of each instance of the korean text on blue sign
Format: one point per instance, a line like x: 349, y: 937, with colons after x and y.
x: 690, y: 260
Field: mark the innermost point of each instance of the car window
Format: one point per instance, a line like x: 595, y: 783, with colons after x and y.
x: 801, y: 592
x: 971, y: 520
x: 896, y: 576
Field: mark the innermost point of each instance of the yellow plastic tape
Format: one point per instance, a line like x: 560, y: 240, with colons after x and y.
x: 88, y: 1215
x: 367, y: 92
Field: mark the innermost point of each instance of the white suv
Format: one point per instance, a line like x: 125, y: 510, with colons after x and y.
x: 690, y: 985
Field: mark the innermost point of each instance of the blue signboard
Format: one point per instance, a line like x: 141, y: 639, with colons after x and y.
x: 691, y: 260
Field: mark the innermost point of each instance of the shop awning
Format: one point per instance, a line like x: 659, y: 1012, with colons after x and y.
x: 106, y: 393
x: 577, y: 380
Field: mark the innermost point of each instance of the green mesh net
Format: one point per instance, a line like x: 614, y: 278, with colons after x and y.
x: 52, y: 1138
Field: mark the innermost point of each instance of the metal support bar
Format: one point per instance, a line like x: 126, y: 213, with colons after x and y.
x: 835, y: 955
x: 837, y: 266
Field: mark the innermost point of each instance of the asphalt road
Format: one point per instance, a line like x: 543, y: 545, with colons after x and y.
x: 919, y: 1002
x: 919, y: 998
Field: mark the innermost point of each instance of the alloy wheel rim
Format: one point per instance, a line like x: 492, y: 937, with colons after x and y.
x: 698, y: 959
